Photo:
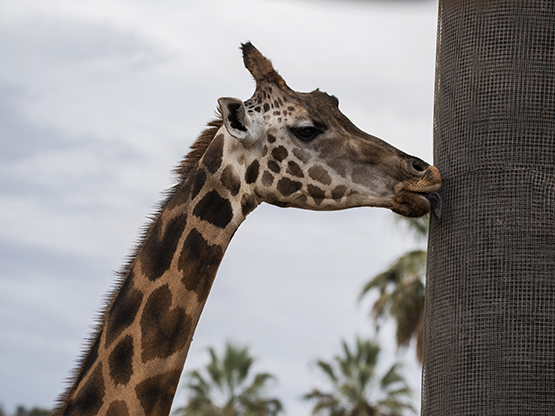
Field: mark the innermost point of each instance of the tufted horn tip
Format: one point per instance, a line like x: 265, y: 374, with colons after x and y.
x: 259, y: 66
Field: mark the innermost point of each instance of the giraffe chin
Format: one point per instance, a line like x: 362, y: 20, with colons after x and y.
x: 411, y: 204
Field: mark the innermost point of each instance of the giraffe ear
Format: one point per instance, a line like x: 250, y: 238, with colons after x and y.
x: 239, y: 124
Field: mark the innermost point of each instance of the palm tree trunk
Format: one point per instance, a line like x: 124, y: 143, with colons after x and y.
x: 490, y: 311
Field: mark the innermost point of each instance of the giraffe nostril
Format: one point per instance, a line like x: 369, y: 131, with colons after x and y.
x: 418, y: 165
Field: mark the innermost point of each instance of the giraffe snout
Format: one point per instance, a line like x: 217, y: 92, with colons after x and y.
x: 411, y: 198
x: 431, y: 180
x: 424, y: 177
x: 417, y: 166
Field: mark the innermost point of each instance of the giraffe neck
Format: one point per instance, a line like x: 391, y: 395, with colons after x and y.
x: 136, y: 360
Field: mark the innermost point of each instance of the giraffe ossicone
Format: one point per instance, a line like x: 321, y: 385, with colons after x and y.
x: 283, y: 147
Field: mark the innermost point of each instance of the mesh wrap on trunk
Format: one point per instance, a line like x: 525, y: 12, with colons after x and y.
x: 489, y: 335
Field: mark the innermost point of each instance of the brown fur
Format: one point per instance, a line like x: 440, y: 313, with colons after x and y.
x: 260, y: 67
x: 198, y: 148
x: 323, y: 108
x: 189, y: 162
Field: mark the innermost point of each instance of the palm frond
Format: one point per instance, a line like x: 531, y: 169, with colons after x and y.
x: 407, y: 308
x: 355, y: 381
x: 394, y: 407
x: 411, y: 264
x: 227, y: 387
x: 391, y: 377
x: 401, y: 295
x: 417, y: 226
x: 380, y: 282
x: 327, y: 369
x: 326, y: 403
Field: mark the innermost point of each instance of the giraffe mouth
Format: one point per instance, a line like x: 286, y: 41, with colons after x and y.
x: 418, y: 202
x: 426, y: 189
x: 433, y: 200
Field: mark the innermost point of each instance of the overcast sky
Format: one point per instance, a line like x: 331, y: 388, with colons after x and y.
x: 100, y: 100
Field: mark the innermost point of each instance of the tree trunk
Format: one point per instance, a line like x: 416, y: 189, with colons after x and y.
x: 489, y: 332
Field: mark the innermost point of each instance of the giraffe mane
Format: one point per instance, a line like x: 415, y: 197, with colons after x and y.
x: 189, y: 162
x: 198, y: 148
x: 185, y: 167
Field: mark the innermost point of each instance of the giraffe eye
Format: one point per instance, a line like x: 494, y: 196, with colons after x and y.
x: 306, y: 133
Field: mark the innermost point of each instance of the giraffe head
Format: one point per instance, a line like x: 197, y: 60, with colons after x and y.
x: 301, y: 151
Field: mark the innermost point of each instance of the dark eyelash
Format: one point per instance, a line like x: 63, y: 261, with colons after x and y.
x: 306, y: 133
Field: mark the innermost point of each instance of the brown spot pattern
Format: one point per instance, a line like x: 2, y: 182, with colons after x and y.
x: 251, y: 175
x: 163, y: 329
x: 89, y: 360
x: 301, y: 198
x: 338, y: 192
x: 156, y: 393
x: 90, y: 398
x: 231, y: 180
x: 267, y: 178
x: 294, y: 169
x: 117, y: 408
x: 248, y: 204
x: 339, y: 167
x: 182, y: 195
x: 214, y: 209
x: 319, y: 173
x: 316, y: 193
x: 280, y: 153
x: 199, y: 263
x: 124, y: 310
x: 273, y: 166
x: 160, y: 246
x: 198, y: 179
x: 271, y: 138
x: 212, y: 158
x: 301, y: 155
x: 286, y: 186
x: 120, y: 361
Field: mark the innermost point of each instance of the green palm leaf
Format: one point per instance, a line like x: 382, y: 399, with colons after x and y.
x: 227, y: 387
x: 401, y: 290
x: 355, y: 387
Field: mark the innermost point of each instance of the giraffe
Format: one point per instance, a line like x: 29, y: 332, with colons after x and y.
x: 282, y: 147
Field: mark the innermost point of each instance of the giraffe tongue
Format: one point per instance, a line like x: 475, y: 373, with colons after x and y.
x: 436, y: 204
